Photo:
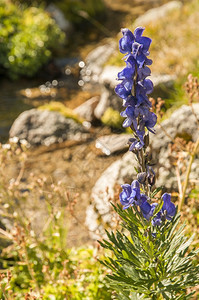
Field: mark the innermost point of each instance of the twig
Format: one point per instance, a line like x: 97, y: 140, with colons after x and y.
x: 179, y: 181
x: 192, y: 156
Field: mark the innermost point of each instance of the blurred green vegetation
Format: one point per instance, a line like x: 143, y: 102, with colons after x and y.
x: 112, y: 118
x: 27, y: 38
x: 50, y: 269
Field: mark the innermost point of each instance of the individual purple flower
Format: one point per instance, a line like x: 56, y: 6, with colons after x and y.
x: 128, y: 113
x: 136, y: 144
x: 123, y: 90
x: 167, y: 211
x: 168, y: 207
x: 128, y: 72
x: 125, y: 43
x: 134, y: 43
x: 157, y: 220
x: 131, y: 195
x: 147, y: 119
x: 143, y: 73
x: 148, y: 209
x: 144, y: 41
x: 125, y: 196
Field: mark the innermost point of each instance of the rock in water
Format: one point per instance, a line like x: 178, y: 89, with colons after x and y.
x: 42, y: 127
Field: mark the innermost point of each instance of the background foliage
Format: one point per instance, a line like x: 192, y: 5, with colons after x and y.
x: 27, y: 38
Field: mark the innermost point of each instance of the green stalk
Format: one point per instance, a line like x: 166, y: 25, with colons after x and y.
x: 192, y: 156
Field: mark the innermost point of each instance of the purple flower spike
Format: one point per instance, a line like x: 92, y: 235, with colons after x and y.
x: 135, y: 87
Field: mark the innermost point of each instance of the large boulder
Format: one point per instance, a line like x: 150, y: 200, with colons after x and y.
x: 42, y: 127
x: 182, y: 123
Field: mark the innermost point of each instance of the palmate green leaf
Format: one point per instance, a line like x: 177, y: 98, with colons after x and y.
x: 125, y: 285
x: 128, y: 252
x: 136, y: 254
x: 174, y: 223
x: 113, y: 239
x: 122, y: 296
x: 143, y: 260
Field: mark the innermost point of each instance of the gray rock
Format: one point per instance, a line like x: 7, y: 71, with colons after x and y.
x: 86, y: 110
x: 181, y: 123
x: 59, y: 18
x: 110, y: 144
x: 155, y: 14
x: 95, y: 61
x: 107, y: 80
x: 45, y: 127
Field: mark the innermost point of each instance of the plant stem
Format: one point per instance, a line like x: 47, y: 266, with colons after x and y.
x: 143, y: 167
x: 192, y: 156
x: 31, y: 272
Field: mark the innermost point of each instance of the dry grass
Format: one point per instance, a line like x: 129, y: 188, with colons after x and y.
x: 176, y: 41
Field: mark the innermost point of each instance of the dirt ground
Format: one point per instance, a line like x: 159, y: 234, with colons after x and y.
x: 78, y: 167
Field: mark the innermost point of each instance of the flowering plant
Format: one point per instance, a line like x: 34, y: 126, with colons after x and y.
x: 151, y: 258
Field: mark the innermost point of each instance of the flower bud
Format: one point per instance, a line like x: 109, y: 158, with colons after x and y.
x: 151, y: 176
x: 141, y: 177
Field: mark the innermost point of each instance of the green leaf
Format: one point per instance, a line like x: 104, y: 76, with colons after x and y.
x: 156, y: 191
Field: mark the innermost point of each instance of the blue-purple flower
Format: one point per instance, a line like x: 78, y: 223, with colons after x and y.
x: 131, y: 195
x: 168, y: 208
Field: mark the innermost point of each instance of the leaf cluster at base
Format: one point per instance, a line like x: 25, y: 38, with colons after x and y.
x: 150, y: 262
